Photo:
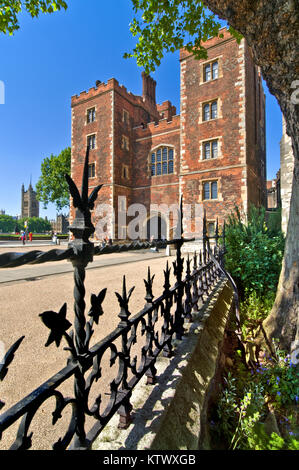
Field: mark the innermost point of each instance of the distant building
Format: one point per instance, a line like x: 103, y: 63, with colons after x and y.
x: 2, y: 212
x: 29, y: 203
x: 60, y: 225
x: 273, y: 193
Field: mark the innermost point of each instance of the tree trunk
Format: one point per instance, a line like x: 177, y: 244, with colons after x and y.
x: 282, y: 322
x: 270, y: 28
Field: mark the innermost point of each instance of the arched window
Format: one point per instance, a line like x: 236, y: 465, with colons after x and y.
x: 162, y: 161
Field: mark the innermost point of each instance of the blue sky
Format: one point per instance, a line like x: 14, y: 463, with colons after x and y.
x: 56, y: 56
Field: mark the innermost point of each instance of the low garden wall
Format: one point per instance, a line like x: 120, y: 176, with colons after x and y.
x: 171, y: 414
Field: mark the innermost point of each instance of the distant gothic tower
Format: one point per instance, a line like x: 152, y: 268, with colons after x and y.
x: 30, y: 205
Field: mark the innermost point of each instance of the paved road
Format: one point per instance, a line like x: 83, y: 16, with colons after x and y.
x: 12, y: 243
x: 37, y: 271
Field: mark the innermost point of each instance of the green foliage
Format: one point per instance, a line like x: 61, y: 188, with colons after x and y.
x: 241, y: 416
x: 247, y: 397
x: 168, y: 25
x: 280, y: 378
x: 260, y: 440
x: 35, y: 224
x: 253, y: 256
x: 7, y: 223
x: 250, y: 411
x: 254, y: 309
x: 10, y: 10
x: 273, y: 222
x: 52, y: 185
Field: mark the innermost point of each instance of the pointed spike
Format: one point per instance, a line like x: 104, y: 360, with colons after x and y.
x: 194, y: 260
x: 124, y: 294
x: 181, y: 216
x: 84, y: 190
x: 205, y: 222
x: 188, y: 265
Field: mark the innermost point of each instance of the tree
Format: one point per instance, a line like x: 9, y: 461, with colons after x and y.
x: 35, y: 224
x: 7, y: 223
x: 270, y: 29
x: 52, y: 185
x: 10, y: 10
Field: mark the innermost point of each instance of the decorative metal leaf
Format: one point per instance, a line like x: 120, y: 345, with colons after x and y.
x: 57, y: 323
x: 96, y: 305
x: 7, y: 359
x: 93, y: 196
x: 77, y: 201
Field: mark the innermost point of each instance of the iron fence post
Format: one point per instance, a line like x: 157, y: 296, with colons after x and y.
x: 81, y: 228
x: 167, y: 325
x: 125, y: 409
x: 151, y: 371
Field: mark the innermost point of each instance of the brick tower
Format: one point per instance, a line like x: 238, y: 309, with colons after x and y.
x: 212, y: 154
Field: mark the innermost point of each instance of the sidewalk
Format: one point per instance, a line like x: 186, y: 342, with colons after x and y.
x: 33, y: 272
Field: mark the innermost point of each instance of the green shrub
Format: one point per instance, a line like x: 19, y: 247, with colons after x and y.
x: 273, y: 221
x: 254, y: 254
x: 254, y: 309
x: 242, y: 409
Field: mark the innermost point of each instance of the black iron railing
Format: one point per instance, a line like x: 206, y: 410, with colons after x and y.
x: 159, y: 322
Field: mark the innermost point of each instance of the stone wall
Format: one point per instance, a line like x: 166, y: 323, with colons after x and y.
x: 170, y: 415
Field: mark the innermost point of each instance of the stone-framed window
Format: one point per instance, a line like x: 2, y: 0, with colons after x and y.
x: 209, y: 190
x: 125, y: 171
x: 91, y: 115
x: 91, y: 141
x: 161, y: 160
x: 211, y: 228
x: 91, y: 170
x: 125, y: 144
x: 125, y: 117
x: 211, y: 71
x: 210, y: 149
x: 210, y: 110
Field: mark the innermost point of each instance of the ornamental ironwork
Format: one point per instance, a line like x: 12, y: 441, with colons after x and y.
x: 159, y: 322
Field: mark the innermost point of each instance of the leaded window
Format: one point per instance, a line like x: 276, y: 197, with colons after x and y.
x: 91, y: 141
x: 215, y: 70
x: 211, y: 71
x: 91, y: 115
x: 210, y: 190
x: 91, y: 170
x: 162, y: 161
x: 210, y: 110
x: 211, y: 229
x: 210, y: 149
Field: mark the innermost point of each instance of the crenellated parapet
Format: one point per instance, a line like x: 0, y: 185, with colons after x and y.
x: 161, y: 126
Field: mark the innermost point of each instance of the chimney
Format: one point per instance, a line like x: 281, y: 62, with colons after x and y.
x: 148, y: 88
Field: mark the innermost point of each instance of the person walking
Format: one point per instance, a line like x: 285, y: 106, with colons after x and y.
x: 23, y: 237
x: 30, y: 236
